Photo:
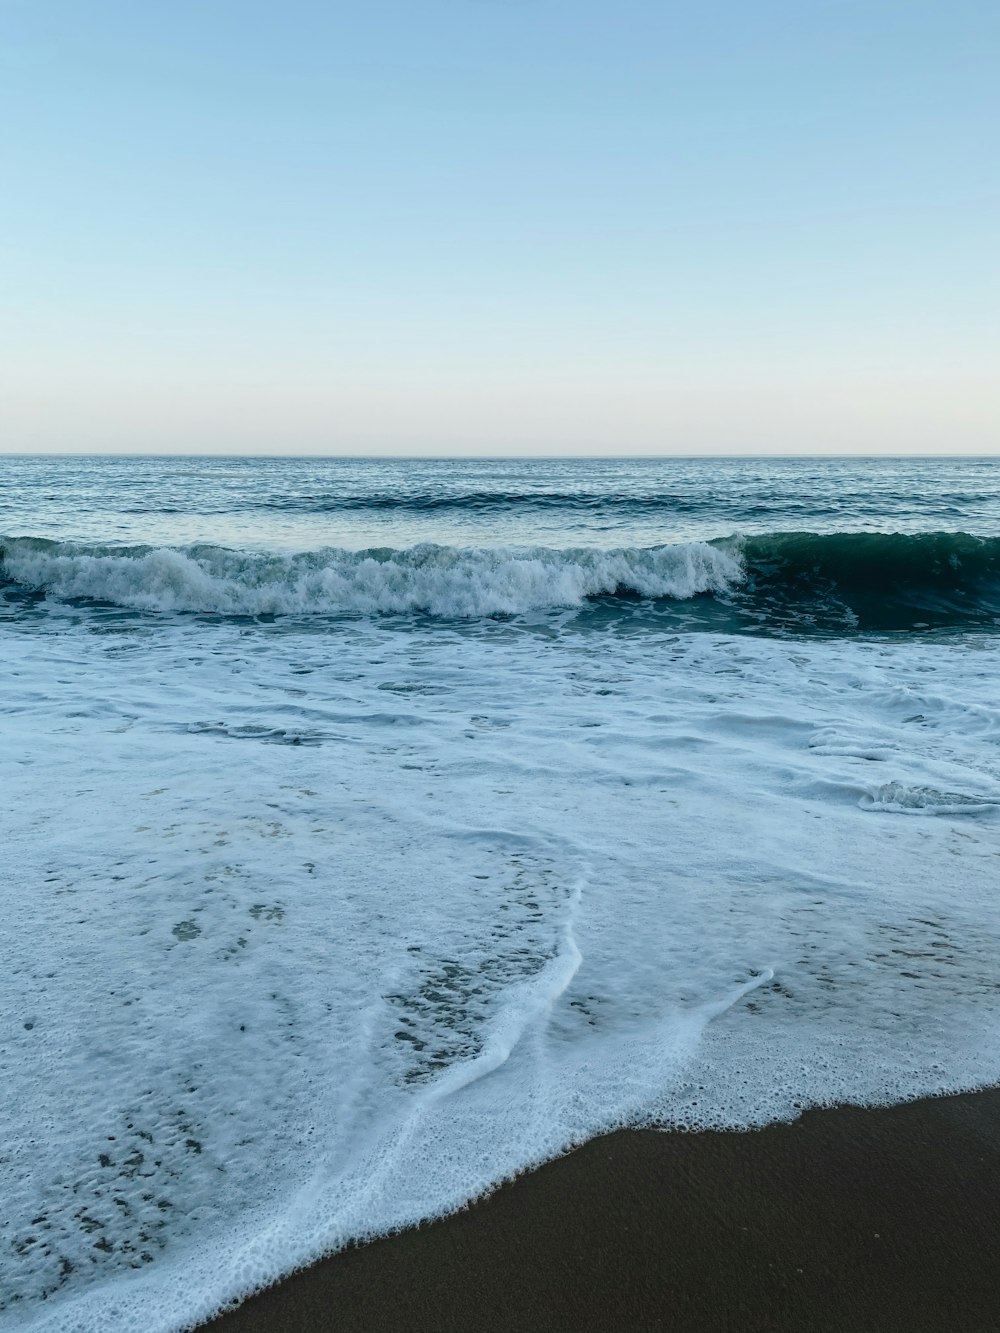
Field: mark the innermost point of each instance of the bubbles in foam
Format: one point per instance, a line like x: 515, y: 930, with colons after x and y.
x: 517, y: 889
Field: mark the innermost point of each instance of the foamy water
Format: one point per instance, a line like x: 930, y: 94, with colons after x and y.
x: 319, y: 925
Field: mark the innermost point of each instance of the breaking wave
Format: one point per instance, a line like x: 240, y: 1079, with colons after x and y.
x: 444, y: 581
x: 839, y: 582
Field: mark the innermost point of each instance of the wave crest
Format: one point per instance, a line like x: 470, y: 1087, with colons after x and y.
x: 440, y: 580
x: 800, y: 582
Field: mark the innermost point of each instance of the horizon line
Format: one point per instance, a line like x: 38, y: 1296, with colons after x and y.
x: 486, y: 458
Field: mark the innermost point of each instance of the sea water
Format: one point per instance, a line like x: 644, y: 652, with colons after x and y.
x: 374, y: 830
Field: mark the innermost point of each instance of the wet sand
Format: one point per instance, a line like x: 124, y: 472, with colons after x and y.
x: 848, y: 1219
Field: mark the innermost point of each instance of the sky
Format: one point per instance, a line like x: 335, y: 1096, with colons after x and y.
x: 499, y: 226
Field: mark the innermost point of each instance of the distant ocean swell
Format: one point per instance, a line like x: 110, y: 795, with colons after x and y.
x: 852, y: 581
x: 591, y: 503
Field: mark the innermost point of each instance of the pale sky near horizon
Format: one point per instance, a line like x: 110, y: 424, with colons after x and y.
x: 499, y: 226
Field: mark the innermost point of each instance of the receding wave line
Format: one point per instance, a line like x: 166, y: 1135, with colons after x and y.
x: 839, y: 582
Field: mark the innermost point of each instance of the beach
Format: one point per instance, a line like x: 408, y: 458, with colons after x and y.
x: 846, y: 1219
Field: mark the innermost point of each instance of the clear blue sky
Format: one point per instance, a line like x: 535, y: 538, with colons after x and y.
x: 466, y: 226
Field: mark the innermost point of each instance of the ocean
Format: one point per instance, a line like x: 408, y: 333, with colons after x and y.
x: 375, y: 830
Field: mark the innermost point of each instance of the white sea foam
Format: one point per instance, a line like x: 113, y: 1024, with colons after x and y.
x: 443, y: 580
x: 310, y: 935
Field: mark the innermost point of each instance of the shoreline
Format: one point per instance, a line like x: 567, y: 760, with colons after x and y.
x: 847, y: 1219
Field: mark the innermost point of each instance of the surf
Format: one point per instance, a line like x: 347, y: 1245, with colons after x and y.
x: 795, y: 581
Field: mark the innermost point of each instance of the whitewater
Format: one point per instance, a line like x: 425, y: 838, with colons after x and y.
x: 374, y: 831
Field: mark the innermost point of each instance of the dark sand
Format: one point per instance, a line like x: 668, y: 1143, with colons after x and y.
x: 848, y: 1219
